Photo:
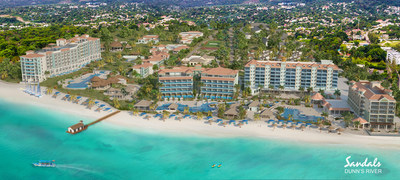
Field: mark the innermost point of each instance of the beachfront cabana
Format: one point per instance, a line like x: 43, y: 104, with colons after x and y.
x: 231, y: 113
x: 253, y: 106
x: 362, y: 122
x: 173, y: 107
x: 267, y: 114
x: 143, y: 105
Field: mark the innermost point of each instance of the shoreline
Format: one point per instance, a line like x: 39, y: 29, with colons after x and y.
x: 189, y: 127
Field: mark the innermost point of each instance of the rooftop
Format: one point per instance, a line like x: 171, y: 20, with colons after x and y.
x: 372, y: 90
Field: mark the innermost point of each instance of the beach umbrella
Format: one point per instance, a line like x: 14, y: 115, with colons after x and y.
x: 185, y: 116
x: 209, y: 117
x: 147, y: 117
x: 102, y: 105
x: 172, y: 115
x: 308, y: 124
x: 302, y: 127
x: 274, y: 125
x: 224, y: 123
x: 289, y: 121
x: 210, y: 121
x: 271, y: 120
x: 179, y: 118
x: 245, y: 121
x: 331, y: 128
x: 284, y: 126
x: 232, y: 121
x: 340, y: 130
x: 293, y: 126
x: 299, y: 123
x: 142, y: 114
x: 219, y: 120
x: 320, y: 127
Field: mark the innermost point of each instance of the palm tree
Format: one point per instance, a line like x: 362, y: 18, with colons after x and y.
x: 90, y: 103
x: 337, y: 93
x: 199, y: 115
x: 116, y: 103
x: 357, y: 124
x: 165, y: 114
x: 49, y: 90
x: 135, y: 111
x: 281, y: 87
x: 310, y: 89
x: 324, y: 114
x: 307, y: 99
x: 72, y: 98
x: 186, y: 110
x: 257, y: 116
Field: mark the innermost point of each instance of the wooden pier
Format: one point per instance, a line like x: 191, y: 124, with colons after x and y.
x: 77, y: 129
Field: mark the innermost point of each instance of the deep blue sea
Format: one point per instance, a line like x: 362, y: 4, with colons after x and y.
x: 104, y: 151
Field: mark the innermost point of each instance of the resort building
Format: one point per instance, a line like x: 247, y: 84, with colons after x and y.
x: 58, y: 59
x: 334, y: 107
x: 144, y: 69
x: 187, y: 37
x: 261, y: 75
x: 149, y: 38
x: 193, y: 60
x: 373, y: 103
x: 393, y: 56
x: 143, y: 105
x: 219, y: 83
x: 176, y: 82
x: 157, y: 58
x: 116, y: 46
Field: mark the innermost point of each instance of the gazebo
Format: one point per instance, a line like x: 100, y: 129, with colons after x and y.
x: 173, y: 107
x: 143, y: 105
x: 317, y: 98
x: 362, y: 121
x: 231, y: 113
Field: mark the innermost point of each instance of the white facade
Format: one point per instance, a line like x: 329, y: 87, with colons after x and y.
x: 393, y: 55
x: 65, y: 57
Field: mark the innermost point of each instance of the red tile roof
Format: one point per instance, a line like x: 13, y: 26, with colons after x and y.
x: 220, y: 71
x: 33, y: 55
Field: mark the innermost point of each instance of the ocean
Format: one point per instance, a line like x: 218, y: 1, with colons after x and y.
x: 106, y: 151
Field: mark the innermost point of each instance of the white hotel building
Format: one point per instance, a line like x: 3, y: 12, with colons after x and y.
x: 58, y: 59
x: 393, y: 55
x: 291, y: 75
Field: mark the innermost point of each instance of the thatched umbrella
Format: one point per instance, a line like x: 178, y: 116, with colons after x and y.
x: 331, y: 128
x: 147, y: 117
x: 164, y: 118
x: 274, y: 125
x: 179, y: 118
x: 320, y: 127
x: 302, y: 127
x: 240, y: 124
x: 293, y: 126
x: 284, y: 126
x: 339, y: 130
x: 224, y: 123
x: 210, y: 121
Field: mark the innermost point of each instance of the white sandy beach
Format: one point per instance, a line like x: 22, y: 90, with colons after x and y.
x: 14, y: 93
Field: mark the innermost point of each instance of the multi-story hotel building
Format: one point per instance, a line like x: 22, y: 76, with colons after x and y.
x: 62, y: 58
x: 291, y: 75
x: 372, y: 102
x: 178, y: 82
x: 219, y: 83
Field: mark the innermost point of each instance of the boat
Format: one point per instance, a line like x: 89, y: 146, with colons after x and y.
x: 45, y: 163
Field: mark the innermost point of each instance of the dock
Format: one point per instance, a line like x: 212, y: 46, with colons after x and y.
x: 77, y: 128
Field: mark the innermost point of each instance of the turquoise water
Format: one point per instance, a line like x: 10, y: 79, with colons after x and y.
x: 103, y: 151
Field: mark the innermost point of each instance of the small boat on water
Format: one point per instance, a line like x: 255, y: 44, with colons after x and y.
x: 45, y: 163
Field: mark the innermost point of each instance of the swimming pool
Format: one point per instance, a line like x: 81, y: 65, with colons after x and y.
x: 203, y: 108
x: 85, y: 81
x: 299, y: 117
